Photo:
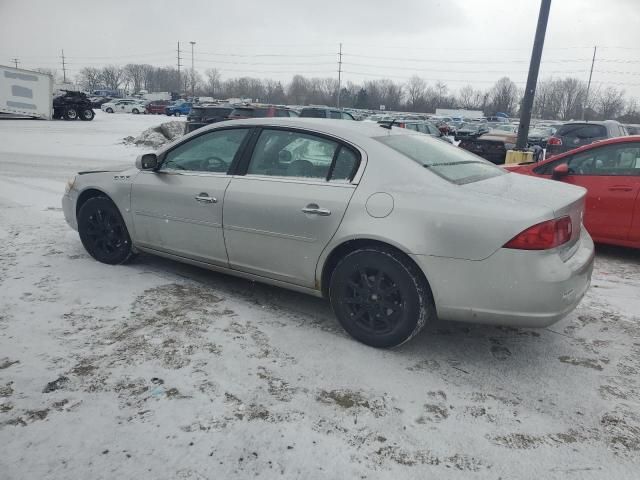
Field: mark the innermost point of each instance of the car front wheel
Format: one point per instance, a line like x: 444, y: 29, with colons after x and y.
x: 103, y: 231
x: 109, y: 110
x: 380, y: 297
x: 135, y: 111
x: 87, y: 114
x: 70, y: 114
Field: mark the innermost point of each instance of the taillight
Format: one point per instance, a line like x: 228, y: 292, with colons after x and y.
x: 543, y: 236
x: 554, y: 141
x: 401, y: 125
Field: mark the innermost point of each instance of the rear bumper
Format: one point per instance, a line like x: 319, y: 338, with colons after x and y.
x: 511, y: 287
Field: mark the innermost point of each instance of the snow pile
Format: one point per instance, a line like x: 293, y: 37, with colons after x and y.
x: 159, y: 135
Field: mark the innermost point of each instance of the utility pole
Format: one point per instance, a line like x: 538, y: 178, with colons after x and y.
x: 64, y: 69
x: 179, y: 65
x: 586, y: 96
x: 15, y: 61
x: 339, y: 75
x: 532, y: 79
x: 193, y: 74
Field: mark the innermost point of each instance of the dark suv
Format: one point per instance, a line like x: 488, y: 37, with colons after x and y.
x: 260, y: 111
x: 201, y: 115
x: 576, y: 134
x: 325, y: 112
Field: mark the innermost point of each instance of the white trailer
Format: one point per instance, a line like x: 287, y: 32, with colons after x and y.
x: 459, y: 112
x: 26, y: 93
x: 157, y: 96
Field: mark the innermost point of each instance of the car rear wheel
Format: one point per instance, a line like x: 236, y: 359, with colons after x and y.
x: 109, y: 110
x: 380, y: 297
x: 87, y: 114
x: 70, y: 113
x: 135, y: 111
x: 103, y: 231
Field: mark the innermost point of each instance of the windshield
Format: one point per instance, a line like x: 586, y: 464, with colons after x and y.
x: 451, y: 163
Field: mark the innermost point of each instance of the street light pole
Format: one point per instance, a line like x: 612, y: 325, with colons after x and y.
x: 193, y: 74
x: 532, y: 79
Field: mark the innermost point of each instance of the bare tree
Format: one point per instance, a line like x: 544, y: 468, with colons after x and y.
x: 415, y: 88
x: 134, y: 73
x: 112, y: 76
x: 503, y: 96
x: 610, y: 102
x: 90, y: 78
x: 213, y: 84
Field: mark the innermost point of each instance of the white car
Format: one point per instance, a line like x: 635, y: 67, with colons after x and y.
x: 126, y: 105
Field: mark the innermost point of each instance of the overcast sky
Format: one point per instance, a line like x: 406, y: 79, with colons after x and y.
x: 456, y: 41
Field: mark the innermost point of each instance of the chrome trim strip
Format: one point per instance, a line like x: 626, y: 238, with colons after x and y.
x: 269, y: 178
x: 178, y: 219
x: 269, y: 234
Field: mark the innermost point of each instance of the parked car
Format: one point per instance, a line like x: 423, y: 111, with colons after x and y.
x: 539, y: 136
x: 576, y: 134
x: 96, y: 102
x: 157, y: 107
x: 632, y: 129
x: 419, y: 126
x: 392, y: 226
x: 178, y: 108
x: 325, y: 112
x: 72, y: 105
x: 261, y: 111
x: 610, y: 171
x: 471, y: 130
x: 202, y: 115
x: 491, y: 146
x: 125, y: 105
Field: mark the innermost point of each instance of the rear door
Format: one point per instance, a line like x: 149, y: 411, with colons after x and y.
x: 281, y: 214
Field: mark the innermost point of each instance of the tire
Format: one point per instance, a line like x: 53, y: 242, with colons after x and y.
x: 70, y: 113
x: 103, y: 231
x: 135, y: 111
x: 379, y: 297
x: 109, y: 110
x: 87, y: 114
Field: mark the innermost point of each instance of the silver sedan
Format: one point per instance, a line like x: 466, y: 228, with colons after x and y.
x: 394, y: 227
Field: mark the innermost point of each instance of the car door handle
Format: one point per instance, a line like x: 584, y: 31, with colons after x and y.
x: 205, y: 198
x: 620, y: 188
x: 314, y: 209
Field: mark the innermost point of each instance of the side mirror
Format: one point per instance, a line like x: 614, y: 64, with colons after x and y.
x: 147, y: 161
x: 560, y: 171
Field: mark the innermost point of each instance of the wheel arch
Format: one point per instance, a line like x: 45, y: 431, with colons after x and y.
x: 88, y: 194
x: 350, y: 245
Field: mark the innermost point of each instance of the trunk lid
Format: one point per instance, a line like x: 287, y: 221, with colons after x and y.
x: 525, y: 190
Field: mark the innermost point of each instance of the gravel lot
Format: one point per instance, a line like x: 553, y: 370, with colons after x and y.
x: 165, y: 371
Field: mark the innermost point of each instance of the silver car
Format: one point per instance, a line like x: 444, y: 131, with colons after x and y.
x: 394, y: 227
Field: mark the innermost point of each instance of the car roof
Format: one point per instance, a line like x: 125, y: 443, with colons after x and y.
x: 334, y: 127
x: 599, y: 143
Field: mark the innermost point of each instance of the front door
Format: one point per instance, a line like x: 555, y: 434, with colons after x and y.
x: 178, y: 209
x: 610, y: 174
x: 280, y: 216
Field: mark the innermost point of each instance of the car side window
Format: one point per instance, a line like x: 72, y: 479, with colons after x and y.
x: 337, y: 115
x: 610, y: 160
x: 284, y: 153
x: 345, y: 166
x: 211, y: 152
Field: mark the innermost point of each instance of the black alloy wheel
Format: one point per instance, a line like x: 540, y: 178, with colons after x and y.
x: 380, y: 297
x: 103, y: 231
x: 87, y: 114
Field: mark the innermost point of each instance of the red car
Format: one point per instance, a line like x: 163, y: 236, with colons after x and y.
x: 610, y: 171
x: 157, y: 106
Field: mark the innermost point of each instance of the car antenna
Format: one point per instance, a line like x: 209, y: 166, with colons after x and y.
x: 389, y: 125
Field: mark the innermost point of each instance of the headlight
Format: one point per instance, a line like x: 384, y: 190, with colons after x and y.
x: 70, y: 182
x: 509, y: 146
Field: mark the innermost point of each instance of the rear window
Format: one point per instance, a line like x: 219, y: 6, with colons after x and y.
x: 451, y: 163
x: 582, y: 131
x: 242, y: 112
x: 313, y: 113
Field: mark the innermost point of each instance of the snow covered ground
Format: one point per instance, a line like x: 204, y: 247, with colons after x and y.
x: 164, y: 371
